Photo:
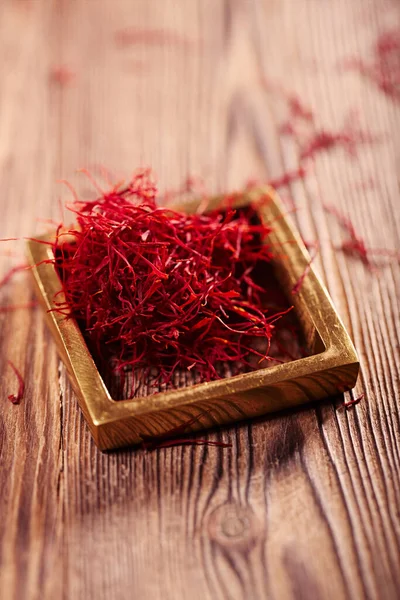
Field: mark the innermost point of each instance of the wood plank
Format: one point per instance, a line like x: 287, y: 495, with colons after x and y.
x: 30, y: 434
x: 304, y: 504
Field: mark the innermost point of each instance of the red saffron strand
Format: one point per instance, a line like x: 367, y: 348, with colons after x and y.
x: 343, y: 221
x: 62, y: 75
x: 314, y: 140
x: 300, y: 281
x: 349, y: 138
x: 16, y: 398
x: 11, y: 272
x: 353, y: 401
x: 298, y: 110
x: 288, y: 178
x: 355, y: 246
x: 383, y: 69
x: 13, y: 307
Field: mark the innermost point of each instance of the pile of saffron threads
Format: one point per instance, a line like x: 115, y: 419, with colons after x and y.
x: 157, y: 291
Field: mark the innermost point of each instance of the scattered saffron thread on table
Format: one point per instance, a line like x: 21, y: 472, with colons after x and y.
x: 355, y: 246
x: 348, y: 138
x: 299, y: 113
x: 298, y: 110
x: 296, y: 106
x: 288, y: 178
x: 16, y: 398
x: 311, y: 139
x: 11, y: 272
x: 6, y: 279
x: 297, y: 287
x: 13, y: 307
x: 315, y: 140
x: 62, y: 75
x: 353, y: 401
x: 345, y: 386
x: 383, y: 69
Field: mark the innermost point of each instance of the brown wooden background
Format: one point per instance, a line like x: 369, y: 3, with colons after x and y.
x: 304, y: 505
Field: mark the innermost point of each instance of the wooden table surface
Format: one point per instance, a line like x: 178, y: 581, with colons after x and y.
x: 304, y: 505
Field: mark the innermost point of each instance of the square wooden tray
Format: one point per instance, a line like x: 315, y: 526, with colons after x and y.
x: 332, y: 366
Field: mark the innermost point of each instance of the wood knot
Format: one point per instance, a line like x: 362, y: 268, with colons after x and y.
x: 233, y: 525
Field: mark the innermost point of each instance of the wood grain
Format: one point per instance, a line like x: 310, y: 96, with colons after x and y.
x: 304, y: 505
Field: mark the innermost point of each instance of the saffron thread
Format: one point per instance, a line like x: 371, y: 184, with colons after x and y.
x: 62, y: 75
x: 355, y: 246
x: 13, y: 307
x: 353, y: 401
x: 16, y: 398
x: 383, y: 69
x: 298, y: 285
x: 11, y: 272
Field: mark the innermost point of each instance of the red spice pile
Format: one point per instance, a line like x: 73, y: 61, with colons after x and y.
x: 384, y: 68
x: 152, y: 287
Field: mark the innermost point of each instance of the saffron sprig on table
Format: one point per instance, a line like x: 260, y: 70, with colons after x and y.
x: 154, y: 288
x: 16, y: 398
